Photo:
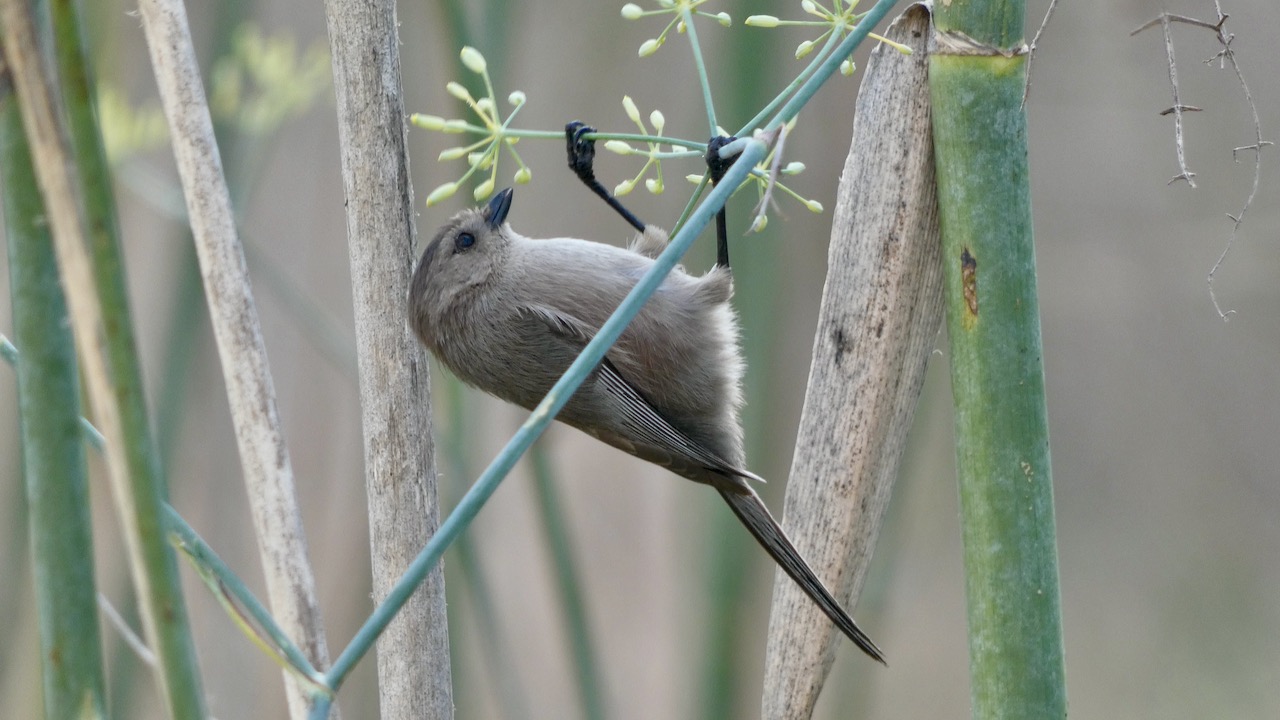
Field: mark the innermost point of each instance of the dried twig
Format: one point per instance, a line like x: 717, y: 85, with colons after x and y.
x: 264, y: 458
x: 1178, y: 107
x: 1031, y: 51
x: 1224, y: 56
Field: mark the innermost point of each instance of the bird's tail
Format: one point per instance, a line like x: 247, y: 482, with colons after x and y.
x: 751, y: 510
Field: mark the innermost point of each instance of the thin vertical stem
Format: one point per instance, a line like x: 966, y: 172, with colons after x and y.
x: 53, y: 454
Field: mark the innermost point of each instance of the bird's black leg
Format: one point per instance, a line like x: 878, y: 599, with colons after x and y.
x: 582, y: 155
x: 717, y: 166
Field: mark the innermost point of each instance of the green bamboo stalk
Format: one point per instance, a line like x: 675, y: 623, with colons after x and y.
x: 976, y: 77
x: 224, y: 584
x: 76, y: 191
x: 172, y: 635
x: 53, y: 454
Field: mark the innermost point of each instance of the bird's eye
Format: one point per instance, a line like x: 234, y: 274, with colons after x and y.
x: 464, y: 241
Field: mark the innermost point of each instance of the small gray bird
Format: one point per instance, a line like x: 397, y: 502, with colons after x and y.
x: 508, y: 315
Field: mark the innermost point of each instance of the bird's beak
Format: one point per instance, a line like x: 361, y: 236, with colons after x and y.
x: 496, y: 212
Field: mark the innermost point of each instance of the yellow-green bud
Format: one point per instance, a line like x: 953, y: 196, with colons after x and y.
x: 793, y: 168
x: 624, y: 187
x: 452, y: 153
x: 457, y: 90
x: 618, y: 146
x: 474, y: 61
x: 517, y: 98
x: 813, y: 205
x: 762, y: 21
x: 632, y: 11
x: 724, y: 19
x: 658, y: 120
x: 846, y: 68
x: 653, y: 185
x: 809, y: 7
x: 804, y: 48
x: 649, y: 47
x: 523, y: 175
x: 441, y: 193
x: 427, y: 122
x: 629, y: 106
x: 758, y: 224
x: 483, y: 190
x: 454, y: 126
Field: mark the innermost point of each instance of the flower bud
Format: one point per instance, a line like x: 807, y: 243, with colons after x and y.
x: 474, y: 61
x: 443, y: 192
x: 629, y: 106
x: 658, y: 120
x: 457, y: 90
x: 427, y: 122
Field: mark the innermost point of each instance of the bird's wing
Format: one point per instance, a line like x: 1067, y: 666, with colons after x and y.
x: 641, y: 421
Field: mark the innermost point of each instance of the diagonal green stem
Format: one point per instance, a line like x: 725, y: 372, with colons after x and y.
x: 799, y: 80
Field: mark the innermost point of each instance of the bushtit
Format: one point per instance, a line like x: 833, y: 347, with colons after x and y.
x: 508, y: 314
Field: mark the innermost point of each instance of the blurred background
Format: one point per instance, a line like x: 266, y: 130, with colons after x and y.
x: 1164, y: 418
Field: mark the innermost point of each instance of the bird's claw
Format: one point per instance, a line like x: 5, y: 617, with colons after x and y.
x: 581, y: 151
x: 716, y: 164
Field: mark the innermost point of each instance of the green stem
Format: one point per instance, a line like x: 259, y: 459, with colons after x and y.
x: 207, y: 563
x: 223, y: 581
x: 571, y: 599
x: 159, y: 589
x: 493, y: 642
x: 53, y: 455
x: 997, y: 371
x: 701, y: 66
x: 799, y: 80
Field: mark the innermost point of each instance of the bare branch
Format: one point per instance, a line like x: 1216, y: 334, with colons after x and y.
x: 414, y: 675
x: 268, y: 475
x: 1178, y: 107
x: 1225, y: 56
x: 1031, y: 51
